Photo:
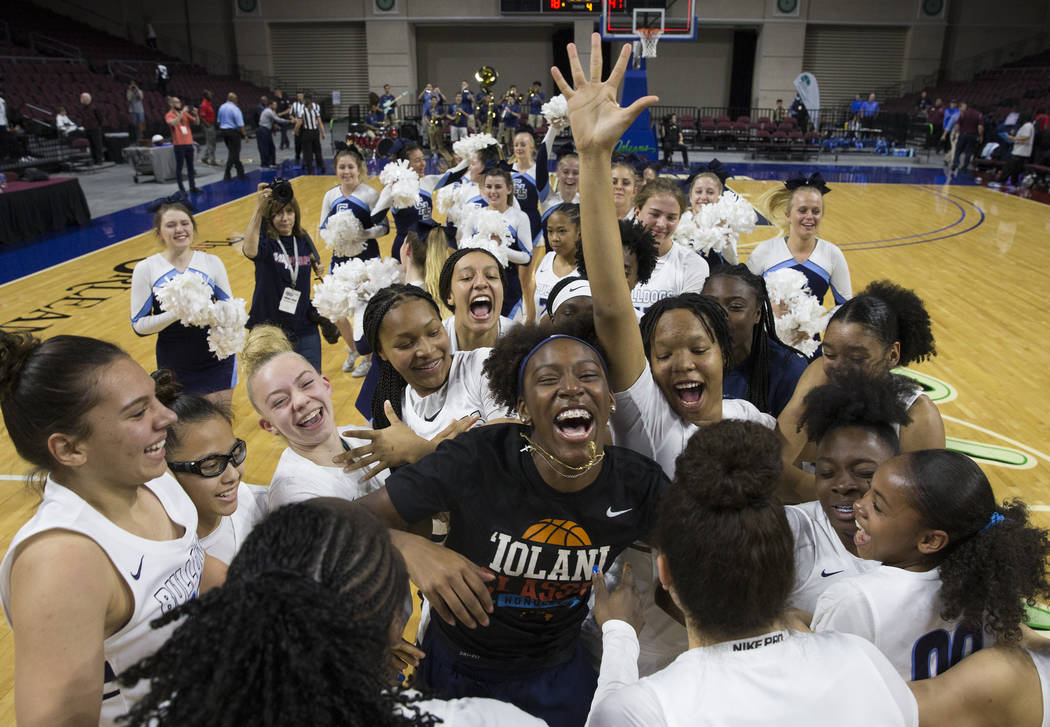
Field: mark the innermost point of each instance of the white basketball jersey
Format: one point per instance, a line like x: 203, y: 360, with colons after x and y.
x: 820, y: 557
x: 679, y: 271
x: 161, y: 574
x: 465, y: 392
x: 504, y: 324
x: 778, y: 678
x: 297, y: 478
x: 545, y: 280
x: 224, y: 542
x: 899, y: 611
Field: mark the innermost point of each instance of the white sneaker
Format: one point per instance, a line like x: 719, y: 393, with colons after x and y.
x: 362, y: 368
x: 348, y: 365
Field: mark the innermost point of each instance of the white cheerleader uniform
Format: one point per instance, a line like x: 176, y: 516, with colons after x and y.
x: 170, y: 578
x: 360, y: 202
x: 778, y: 678
x: 899, y: 611
x: 465, y: 392
x: 679, y: 271
x: 821, y: 559
x: 825, y: 268
x: 504, y: 324
x: 297, y: 478
x: 545, y: 280
x: 224, y: 541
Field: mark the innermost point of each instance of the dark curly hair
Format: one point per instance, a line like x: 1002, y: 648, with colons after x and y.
x: 728, y: 544
x: 987, y: 575
x: 449, y: 269
x: 712, y: 316
x: 891, y: 313
x: 634, y: 238
x: 190, y: 408
x: 48, y: 387
x: 297, y: 635
x: 763, y: 332
x: 501, y: 367
x: 391, y: 384
x: 855, y: 398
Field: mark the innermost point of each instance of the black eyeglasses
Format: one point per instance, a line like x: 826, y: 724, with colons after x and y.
x: 214, y: 464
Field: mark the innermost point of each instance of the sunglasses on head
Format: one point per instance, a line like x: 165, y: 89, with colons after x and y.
x: 214, y: 464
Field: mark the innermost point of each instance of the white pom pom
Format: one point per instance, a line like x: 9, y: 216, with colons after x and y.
x: 331, y: 297
x: 227, y: 333
x: 468, y: 146
x: 556, y: 111
x: 446, y: 197
x: 343, y: 234
x: 804, y: 318
x: 738, y: 213
x: 490, y: 233
x: 403, y: 183
x: 188, y: 296
x: 694, y: 234
x: 479, y: 242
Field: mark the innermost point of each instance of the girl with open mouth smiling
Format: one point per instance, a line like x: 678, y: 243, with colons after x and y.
x: 956, y: 566
x: 294, y: 403
x: 208, y: 461
x: 536, y: 508
x: 471, y: 285
x: 853, y: 420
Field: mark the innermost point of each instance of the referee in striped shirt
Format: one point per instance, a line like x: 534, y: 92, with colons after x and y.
x: 310, y: 128
x: 296, y: 112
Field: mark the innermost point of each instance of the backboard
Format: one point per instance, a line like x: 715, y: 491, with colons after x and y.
x: 629, y: 19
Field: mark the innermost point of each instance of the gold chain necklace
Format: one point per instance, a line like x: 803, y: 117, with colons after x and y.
x: 578, y: 470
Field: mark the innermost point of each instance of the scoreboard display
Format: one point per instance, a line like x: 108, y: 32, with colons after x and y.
x: 581, y: 7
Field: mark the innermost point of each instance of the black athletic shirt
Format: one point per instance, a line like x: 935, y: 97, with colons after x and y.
x: 272, y: 276
x: 540, y: 543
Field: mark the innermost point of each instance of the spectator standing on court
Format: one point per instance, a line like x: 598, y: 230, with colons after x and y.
x: 163, y: 76
x: 971, y: 128
x: 935, y: 118
x: 179, y: 119
x: 1021, y: 154
x: 231, y: 127
x: 257, y: 112
x: 91, y: 120
x: 136, y: 111
x: 207, y: 117
x: 284, y: 110
x: 268, y: 122
x: 310, y: 128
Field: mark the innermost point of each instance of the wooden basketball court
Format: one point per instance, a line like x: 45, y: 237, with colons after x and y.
x: 975, y: 256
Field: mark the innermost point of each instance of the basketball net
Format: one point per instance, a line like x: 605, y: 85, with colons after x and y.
x: 649, y: 37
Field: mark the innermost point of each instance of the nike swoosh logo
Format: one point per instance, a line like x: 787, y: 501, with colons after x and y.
x: 138, y: 573
x: 825, y: 574
x: 615, y: 513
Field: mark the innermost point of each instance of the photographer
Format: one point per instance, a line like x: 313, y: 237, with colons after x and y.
x: 136, y: 111
x: 179, y: 119
x: 284, y: 255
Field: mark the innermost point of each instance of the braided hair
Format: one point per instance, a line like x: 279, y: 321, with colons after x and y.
x: 295, y: 634
x: 762, y: 333
x: 709, y: 311
x: 391, y: 384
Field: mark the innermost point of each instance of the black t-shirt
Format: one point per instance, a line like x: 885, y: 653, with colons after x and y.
x: 541, y: 544
x: 272, y: 276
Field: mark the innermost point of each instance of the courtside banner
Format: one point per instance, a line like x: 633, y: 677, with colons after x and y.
x: 809, y: 92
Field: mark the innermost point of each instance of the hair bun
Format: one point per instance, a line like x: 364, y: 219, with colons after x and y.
x: 15, y: 350
x: 731, y: 466
x: 264, y: 342
x: 168, y: 387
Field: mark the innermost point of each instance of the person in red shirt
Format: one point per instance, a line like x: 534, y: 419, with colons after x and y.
x: 179, y: 118
x: 971, y: 128
x: 207, y: 114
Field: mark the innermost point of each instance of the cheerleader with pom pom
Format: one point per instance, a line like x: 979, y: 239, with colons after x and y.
x: 707, y: 193
x: 182, y: 336
x: 800, y: 316
x: 409, y: 193
x: 346, y: 226
x: 513, y: 225
x: 799, y: 206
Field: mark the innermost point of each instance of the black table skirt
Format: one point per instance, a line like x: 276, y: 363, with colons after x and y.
x: 31, y: 209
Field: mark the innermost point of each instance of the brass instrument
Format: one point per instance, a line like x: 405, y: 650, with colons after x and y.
x: 487, y: 76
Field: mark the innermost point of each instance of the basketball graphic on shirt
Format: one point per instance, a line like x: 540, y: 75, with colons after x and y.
x: 557, y: 532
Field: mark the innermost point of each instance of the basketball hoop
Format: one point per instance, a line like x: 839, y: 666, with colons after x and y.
x: 649, y: 37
